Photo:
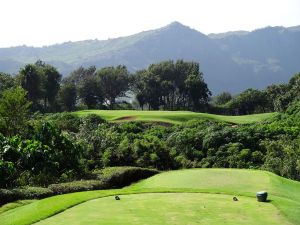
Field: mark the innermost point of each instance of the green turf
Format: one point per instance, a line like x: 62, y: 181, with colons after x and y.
x: 170, y: 208
x: 175, y: 117
x: 14, y: 205
x: 233, y: 181
x: 283, y: 193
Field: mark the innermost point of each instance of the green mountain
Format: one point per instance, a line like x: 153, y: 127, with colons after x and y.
x: 230, y: 61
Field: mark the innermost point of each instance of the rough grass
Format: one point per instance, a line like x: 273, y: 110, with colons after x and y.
x: 174, y: 117
x: 283, y: 193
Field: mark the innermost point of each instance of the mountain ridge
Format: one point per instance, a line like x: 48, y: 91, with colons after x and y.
x: 230, y: 61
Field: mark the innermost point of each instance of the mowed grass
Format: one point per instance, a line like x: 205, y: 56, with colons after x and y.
x: 169, y: 208
x: 283, y: 193
x: 174, y: 117
x: 137, y: 207
x: 228, y: 181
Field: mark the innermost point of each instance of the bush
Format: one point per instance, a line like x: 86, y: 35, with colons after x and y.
x: 6, y: 196
x: 112, y: 177
x: 75, y: 186
x: 91, y: 121
x: 65, y: 121
x: 23, y: 193
x: 117, y: 177
x: 32, y: 192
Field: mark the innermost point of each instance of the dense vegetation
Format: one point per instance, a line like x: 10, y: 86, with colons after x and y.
x: 65, y: 147
x: 107, y: 178
x: 273, y: 98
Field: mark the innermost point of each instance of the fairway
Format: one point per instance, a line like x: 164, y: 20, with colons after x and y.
x: 174, y: 117
x: 175, y: 208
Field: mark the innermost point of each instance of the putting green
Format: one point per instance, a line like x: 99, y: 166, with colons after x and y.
x: 173, y: 117
x: 170, y: 208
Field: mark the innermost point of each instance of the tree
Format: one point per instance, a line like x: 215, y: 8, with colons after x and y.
x: 90, y: 93
x: 77, y: 76
x: 114, y: 82
x: 87, y: 85
x: 249, y: 101
x: 275, y: 94
x: 223, y: 98
x: 67, y: 96
x: 291, y: 95
x: 147, y: 89
x: 197, y: 90
x: 6, y: 82
x: 14, y: 110
x: 51, y: 85
x: 138, y: 86
x: 170, y: 85
x: 30, y: 80
x: 42, y: 82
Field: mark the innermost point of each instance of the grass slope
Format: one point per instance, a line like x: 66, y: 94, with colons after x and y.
x: 13, y: 205
x: 175, y: 117
x: 283, y: 193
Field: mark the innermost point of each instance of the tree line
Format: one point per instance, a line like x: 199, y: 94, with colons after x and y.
x: 166, y: 85
x: 274, y: 98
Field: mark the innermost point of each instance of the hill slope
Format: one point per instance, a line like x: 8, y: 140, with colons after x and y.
x: 222, y: 184
x: 243, y: 59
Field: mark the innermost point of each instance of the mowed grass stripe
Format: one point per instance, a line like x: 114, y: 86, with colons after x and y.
x: 174, y: 117
x: 170, y: 208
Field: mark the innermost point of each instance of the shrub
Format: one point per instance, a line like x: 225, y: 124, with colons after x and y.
x: 65, y: 121
x: 91, y: 121
x: 23, y: 193
x: 75, y: 186
x: 117, y: 177
x: 112, y: 177
x: 32, y: 192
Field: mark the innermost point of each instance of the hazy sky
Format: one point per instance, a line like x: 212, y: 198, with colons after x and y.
x: 45, y: 22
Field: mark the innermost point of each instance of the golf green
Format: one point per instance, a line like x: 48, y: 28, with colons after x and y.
x: 173, y: 117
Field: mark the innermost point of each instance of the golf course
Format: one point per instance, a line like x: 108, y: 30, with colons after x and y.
x: 173, y: 117
x: 190, y: 196
x: 120, y: 123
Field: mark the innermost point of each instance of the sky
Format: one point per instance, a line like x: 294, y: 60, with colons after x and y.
x: 46, y: 22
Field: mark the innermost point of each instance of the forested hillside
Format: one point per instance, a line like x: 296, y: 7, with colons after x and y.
x: 230, y: 62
